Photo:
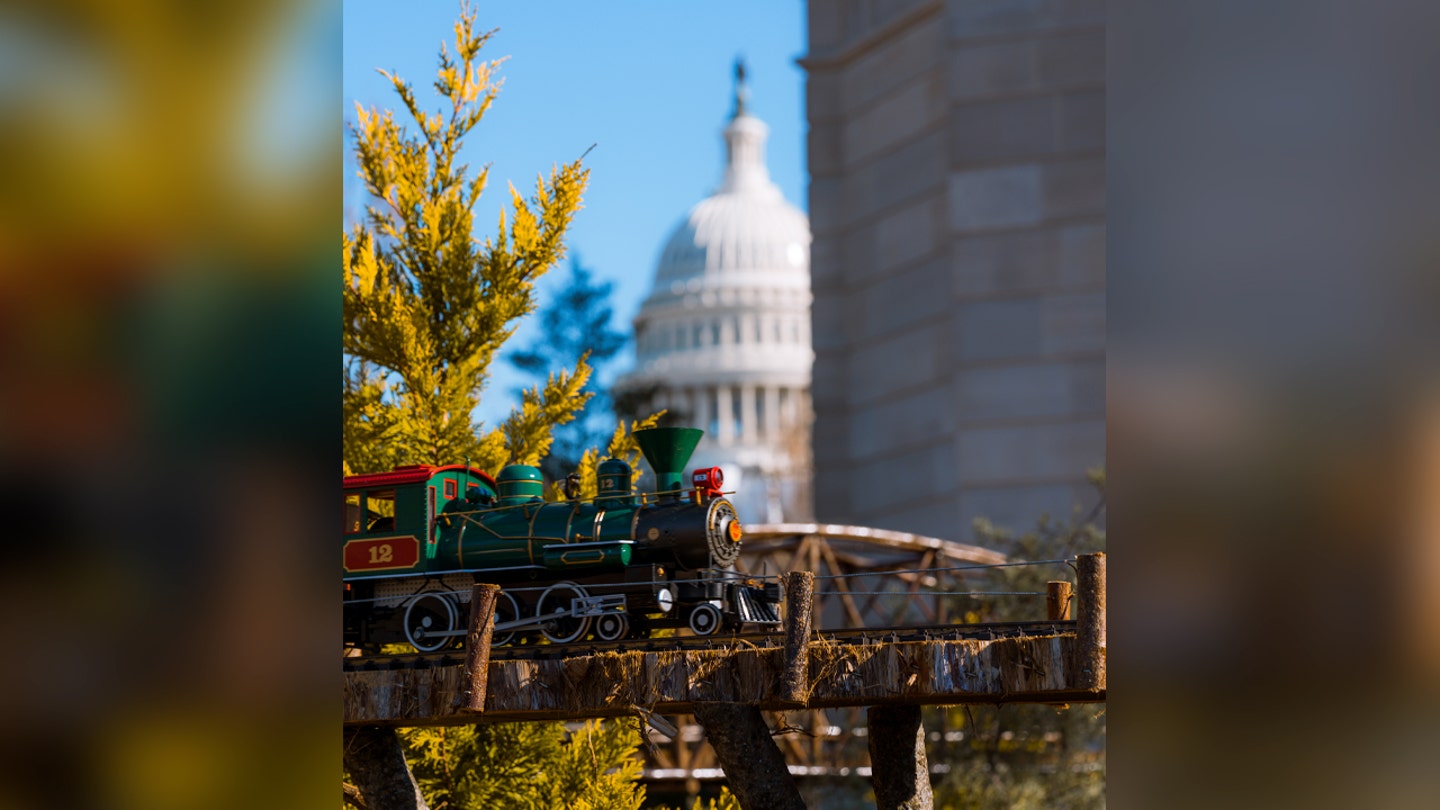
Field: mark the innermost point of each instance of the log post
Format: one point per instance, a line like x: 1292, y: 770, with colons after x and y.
x: 1057, y: 600
x: 1091, y: 621
x: 799, y: 607
x: 477, y: 645
x: 376, y: 762
x: 899, y: 768
x: 753, y: 764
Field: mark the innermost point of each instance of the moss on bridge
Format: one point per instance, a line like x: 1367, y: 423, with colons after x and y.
x: 1037, y: 669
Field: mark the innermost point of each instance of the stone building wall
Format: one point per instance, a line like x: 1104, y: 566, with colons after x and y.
x: 957, y: 202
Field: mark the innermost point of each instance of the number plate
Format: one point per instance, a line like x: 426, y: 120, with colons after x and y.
x: 382, y: 553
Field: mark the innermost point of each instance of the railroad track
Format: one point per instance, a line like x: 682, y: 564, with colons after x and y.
x: 864, y: 635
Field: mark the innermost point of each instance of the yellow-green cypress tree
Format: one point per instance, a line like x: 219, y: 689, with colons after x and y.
x: 427, y: 307
x: 427, y: 304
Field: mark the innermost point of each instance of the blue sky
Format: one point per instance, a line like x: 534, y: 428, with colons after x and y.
x: 648, y: 82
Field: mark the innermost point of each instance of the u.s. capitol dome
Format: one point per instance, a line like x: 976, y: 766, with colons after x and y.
x: 723, y: 339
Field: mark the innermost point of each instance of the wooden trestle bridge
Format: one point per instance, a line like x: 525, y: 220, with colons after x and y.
x: 880, y: 632
x: 828, y: 742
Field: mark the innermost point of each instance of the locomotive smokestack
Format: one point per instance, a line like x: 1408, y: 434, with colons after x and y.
x: 668, y: 451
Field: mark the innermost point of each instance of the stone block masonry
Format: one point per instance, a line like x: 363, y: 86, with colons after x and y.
x: 957, y: 205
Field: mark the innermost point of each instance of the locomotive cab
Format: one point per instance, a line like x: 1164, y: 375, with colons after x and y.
x: 391, y: 521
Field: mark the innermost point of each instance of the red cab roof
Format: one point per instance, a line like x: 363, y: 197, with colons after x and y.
x: 412, y: 474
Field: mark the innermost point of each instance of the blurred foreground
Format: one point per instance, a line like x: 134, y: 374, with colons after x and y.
x: 168, y: 332
x: 1273, y: 409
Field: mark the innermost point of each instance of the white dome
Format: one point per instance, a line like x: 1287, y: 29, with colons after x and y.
x: 731, y: 298
x: 744, y: 235
x: 723, y: 339
x: 748, y: 238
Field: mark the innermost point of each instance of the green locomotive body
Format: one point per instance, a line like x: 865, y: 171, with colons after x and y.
x: 619, y: 565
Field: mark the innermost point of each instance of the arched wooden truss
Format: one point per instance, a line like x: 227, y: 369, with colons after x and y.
x: 866, y: 577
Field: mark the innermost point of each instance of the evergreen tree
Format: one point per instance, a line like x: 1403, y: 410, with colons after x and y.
x: 426, y: 305
x: 575, y: 327
x: 426, y: 309
x: 528, y: 765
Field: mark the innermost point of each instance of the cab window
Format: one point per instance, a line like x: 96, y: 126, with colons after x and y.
x: 380, y: 510
x: 352, y: 512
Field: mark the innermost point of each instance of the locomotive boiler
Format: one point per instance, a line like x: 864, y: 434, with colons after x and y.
x: 620, y: 565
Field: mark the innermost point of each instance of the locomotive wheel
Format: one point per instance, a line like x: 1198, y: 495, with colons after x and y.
x: 612, y: 626
x: 427, y: 614
x: 705, y: 619
x: 506, y: 610
x: 566, y: 628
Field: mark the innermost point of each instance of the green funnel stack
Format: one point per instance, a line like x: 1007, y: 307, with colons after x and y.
x: 668, y: 451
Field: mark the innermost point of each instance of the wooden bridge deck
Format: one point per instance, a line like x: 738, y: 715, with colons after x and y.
x: 1041, y: 669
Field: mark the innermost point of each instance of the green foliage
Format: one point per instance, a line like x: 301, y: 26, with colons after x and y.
x: 527, y: 765
x: 725, y: 801
x: 480, y: 766
x: 575, y: 325
x: 426, y: 305
x: 597, y: 769
x: 528, y: 431
x: 1049, y: 540
x: 1026, y: 756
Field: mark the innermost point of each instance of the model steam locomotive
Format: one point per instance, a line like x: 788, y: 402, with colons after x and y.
x: 620, y: 565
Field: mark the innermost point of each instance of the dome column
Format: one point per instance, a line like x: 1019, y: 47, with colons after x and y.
x: 748, y: 419
x: 681, y: 399
x: 787, y: 417
x: 704, y: 405
x: 725, y: 411
x: 772, y: 412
